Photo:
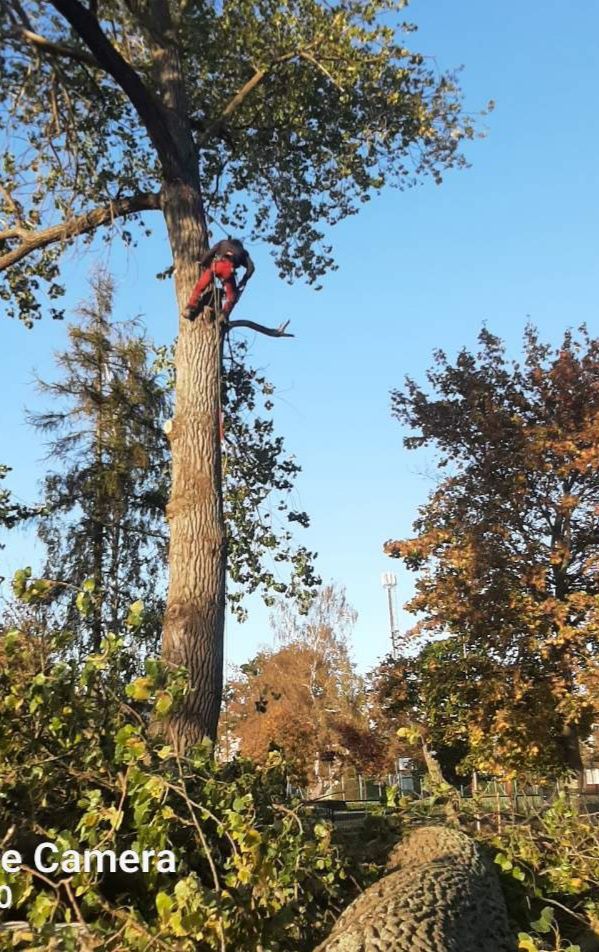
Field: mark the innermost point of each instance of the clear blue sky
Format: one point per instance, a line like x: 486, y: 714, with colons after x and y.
x: 512, y: 239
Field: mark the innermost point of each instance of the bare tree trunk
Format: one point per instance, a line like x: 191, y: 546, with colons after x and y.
x: 99, y: 509
x: 194, y: 621
x: 438, y: 783
x: 433, y: 766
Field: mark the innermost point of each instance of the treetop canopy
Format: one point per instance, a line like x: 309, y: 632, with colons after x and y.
x: 300, y: 111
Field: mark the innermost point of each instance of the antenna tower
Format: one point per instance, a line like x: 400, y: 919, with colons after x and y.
x: 389, y: 582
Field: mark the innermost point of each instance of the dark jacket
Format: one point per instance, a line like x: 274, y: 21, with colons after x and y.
x: 233, y: 249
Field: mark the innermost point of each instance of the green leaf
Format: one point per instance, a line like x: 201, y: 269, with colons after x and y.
x: 84, y: 604
x: 526, y: 943
x: 135, y: 616
x: 42, y: 910
x: 164, y: 904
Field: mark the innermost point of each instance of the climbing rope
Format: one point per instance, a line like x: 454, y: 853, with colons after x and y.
x: 216, y: 310
x: 217, y: 337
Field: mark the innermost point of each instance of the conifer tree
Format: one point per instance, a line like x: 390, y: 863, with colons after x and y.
x: 105, y: 506
x: 106, y: 493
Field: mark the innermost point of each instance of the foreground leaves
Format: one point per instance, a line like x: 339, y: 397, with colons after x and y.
x: 79, y: 767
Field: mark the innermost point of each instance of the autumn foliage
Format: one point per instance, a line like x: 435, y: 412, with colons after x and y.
x: 304, y: 697
x: 506, y: 547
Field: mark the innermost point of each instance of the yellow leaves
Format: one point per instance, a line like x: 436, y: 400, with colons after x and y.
x: 477, y: 734
x: 535, y: 578
x: 411, y: 734
x: 417, y: 548
x: 587, y: 459
x: 164, y: 703
x: 140, y: 689
x: 526, y: 943
x: 244, y: 874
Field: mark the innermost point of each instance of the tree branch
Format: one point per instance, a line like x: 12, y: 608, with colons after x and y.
x: 305, y: 55
x: 150, y: 110
x: 15, y: 13
x: 241, y: 95
x: 54, y: 49
x: 279, y: 331
x: 71, y: 228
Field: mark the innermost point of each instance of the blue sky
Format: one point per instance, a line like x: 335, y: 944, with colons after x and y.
x: 514, y: 238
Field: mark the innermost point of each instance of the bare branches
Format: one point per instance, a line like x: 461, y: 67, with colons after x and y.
x: 71, y: 228
x: 54, y: 49
x: 279, y: 331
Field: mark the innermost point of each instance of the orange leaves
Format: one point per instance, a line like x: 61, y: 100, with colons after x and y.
x: 302, y: 696
x: 418, y: 548
x: 396, y: 549
x: 507, y: 547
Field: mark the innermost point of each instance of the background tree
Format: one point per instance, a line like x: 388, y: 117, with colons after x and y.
x: 506, y: 546
x: 104, y: 510
x: 258, y: 484
x: 277, y: 118
x: 303, y: 696
x: 431, y: 697
x: 104, y: 502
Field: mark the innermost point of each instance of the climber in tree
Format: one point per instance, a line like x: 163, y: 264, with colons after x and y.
x: 221, y: 262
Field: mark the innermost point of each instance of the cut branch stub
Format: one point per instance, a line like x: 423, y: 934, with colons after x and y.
x: 280, y: 331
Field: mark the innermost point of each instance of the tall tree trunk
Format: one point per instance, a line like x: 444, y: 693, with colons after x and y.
x: 99, y: 509
x: 439, y: 783
x: 194, y: 621
x: 195, y: 610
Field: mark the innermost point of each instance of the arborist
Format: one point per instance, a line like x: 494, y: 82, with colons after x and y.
x: 221, y: 262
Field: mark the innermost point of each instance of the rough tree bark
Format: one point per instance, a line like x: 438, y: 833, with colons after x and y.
x: 194, y: 620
